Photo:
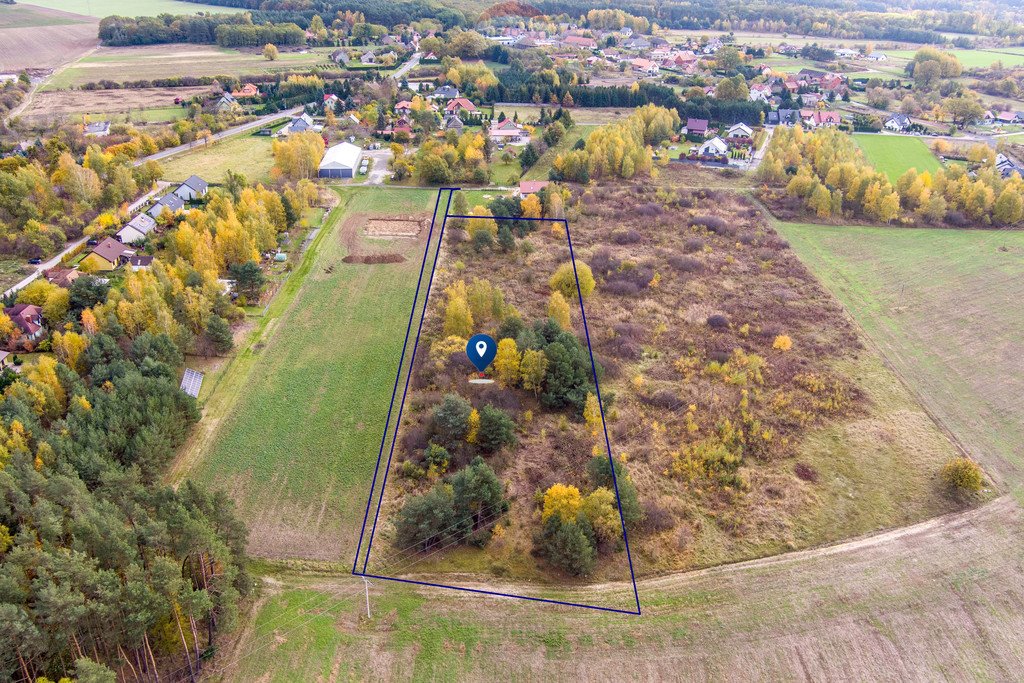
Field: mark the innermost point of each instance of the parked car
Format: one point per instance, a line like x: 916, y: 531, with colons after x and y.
x: 35, y: 261
x: 92, y: 242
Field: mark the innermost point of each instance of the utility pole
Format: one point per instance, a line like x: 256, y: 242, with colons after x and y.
x: 366, y: 589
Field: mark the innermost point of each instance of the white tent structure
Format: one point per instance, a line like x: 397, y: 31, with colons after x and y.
x: 340, y: 161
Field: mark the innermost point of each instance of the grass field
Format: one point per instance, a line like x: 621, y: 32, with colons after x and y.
x: 893, y: 155
x: 293, y: 425
x: 12, y: 271
x: 139, y: 8
x: 586, y: 115
x: 248, y: 154
x: 943, y: 307
x: 539, y: 171
x: 164, y: 61
x: 972, y: 59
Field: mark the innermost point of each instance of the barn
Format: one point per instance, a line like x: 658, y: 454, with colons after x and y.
x: 340, y: 161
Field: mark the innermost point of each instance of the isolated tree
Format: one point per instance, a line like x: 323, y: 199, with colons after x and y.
x: 592, y: 414
x: 962, y: 474
x: 248, y: 277
x: 459, y: 208
x: 530, y: 206
x: 506, y: 240
x: 270, y: 52
x: 565, y: 280
x: 426, y: 520
x: 728, y: 58
x: 562, y: 500
x: 566, y: 545
x: 219, y: 333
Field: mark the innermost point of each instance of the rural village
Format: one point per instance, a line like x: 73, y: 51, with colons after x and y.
x: 752, y: 273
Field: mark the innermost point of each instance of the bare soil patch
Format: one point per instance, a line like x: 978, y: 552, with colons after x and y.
x: 56, y: 103
x: 396, y: 226
x: 360, y: 225
x: 46, y: 45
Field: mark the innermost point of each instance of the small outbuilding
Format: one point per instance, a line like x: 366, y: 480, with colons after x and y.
x: 340, y: 161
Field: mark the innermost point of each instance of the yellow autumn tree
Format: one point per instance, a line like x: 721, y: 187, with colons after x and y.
x: 558, y: 310
x: 483, y: 221
x: 562, y: 500
x: 69, y: 347
x: 506, y: 363
x: 298, y: 156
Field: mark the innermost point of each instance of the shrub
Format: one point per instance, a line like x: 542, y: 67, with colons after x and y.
x: 567, y: 545
x: 436, y: 455
x: 626, y: 236
x: 714, y: 224
x: 718, y: 322
x: 599, y: 470
x: 782, y: 343
x: 693, y: 244
x: 685, y: 264
x: 962, y: 474
x: 565, y: 280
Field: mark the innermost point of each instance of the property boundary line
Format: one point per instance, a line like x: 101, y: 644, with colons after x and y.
x: 593, y: 367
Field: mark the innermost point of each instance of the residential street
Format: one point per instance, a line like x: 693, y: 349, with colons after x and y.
x: 407, y: 67
x: 252, y: 125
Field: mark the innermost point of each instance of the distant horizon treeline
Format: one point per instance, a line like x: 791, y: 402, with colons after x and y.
x: 226, y: 30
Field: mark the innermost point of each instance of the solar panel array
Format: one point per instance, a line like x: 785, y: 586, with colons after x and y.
x: 191, y: 382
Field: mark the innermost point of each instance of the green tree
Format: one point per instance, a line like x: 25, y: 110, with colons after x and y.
x: 533, y: 369
x: 566, y: 545
x: 478, y: 499
x: 270, y: 52
x: 248, y: 277
x: 599, y: 470
x: 497, y: 430
x: 450, y: 422
x: 426, y: 520
x: 219, y: 333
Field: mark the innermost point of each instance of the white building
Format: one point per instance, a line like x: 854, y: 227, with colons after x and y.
x: 136, y: 229
x: 714, y: 147
x: 740, y: 130
x: 192, y: 189
x: 340, y: 161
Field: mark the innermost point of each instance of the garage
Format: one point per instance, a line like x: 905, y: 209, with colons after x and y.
x: 340, y: 161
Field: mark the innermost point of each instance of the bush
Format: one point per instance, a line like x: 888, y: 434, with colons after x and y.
x: 718, y: 322
x: 565, y: 280
x: 436, y: 455
x: 497, y: 430
x: 425, y: 520
x: 685, y: 264
x: 599, y: 470
x: 626, y: 236
x: 714, y: 224
x: 693, y: 244
x: 962, y: 474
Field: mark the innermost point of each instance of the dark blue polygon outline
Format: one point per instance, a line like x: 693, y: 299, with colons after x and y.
x: 600, y: 403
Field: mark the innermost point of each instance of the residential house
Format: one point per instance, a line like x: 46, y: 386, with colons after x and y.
x: 367, y: 58
x: 340, y: 161
x: 786, y: 49
x: 740, y: 130
x: 404, y: 107
x: 783, y: 117
x: 459, y: 105
x: 581, y: 42
x: 29, y: 320
x: 452, y: 122
x: 62, y: 277
x: 226, y: 103
x: 97, y: 129
x: 696, y: 127
x: 897, y: 123
x: 170, y: 202
x: 107, y: 255
x: 812, y: 76
x: 846, y: 53
x: 507, y: 131
x: 330, y: 102
x: 713, y: 46
x: 528, y: 187
x: 139, y: 262
x: 760, y: 92
x: 136, y: 229
x: 1007, y: 166
x: 637, y: 43
x: 813, y: 118
x: 810, y: 99
x: 714, y: 147
x: 877, y: 57
x: 300, y: 124
x: 445, y: 92
x: 249, y: 90
x: 192, y: 189
x: 645, y: 66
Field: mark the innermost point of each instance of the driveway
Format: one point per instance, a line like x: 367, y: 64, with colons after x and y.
x: 380, y: 171
x: 258, y: 123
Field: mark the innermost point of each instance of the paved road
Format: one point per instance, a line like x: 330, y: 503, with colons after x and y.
x: 55, y: 261
x: 407, y: 67
x: 258, y: 123
x: 380, y: 171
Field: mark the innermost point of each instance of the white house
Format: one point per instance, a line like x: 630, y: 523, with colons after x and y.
x: 192, y: 189
x: 740, y: 130
x: 300, y: 124
x: 136, y: 229
x: 877, y: 57
x: 340, y: 161
x: 714, y: 147
x: 507, y: 131
x: 368, y: 58
x: 897, y: 123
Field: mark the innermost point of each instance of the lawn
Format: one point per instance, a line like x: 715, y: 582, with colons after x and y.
x: 943, y: 307
x: 248, y: 154
x: 293, y: 425
x: 149, y: 115
x: 164, y: 61
x: 12, y: 271
x: 147, y: 8
x: 893, y: 154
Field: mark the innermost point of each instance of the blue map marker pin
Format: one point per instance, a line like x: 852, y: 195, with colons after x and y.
x: 481, y: 350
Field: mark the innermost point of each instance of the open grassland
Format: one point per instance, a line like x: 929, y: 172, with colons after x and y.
x: 973, y: 59
x: 34, y: 37
x: 943, y: 307
x: 12, y: 271
x: 166, y: 61
x: 894, y: 154
x: 247, y: 154
x: 292, y: 426
x: 136, y: 8
x: 938, y: 601
x: 529, y: 113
